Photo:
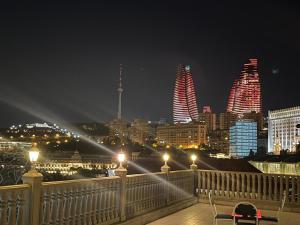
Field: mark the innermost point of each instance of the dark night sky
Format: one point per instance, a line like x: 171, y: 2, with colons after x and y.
x: 61, y: 61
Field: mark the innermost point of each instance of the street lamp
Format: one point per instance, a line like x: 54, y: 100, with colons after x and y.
x: 121, y: 159
x: 165, y: 168
x: 193, y: 158
x: 33, y: 157
x: 166, y: 158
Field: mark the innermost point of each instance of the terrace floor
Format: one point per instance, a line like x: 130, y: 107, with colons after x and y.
x: 201, y: 214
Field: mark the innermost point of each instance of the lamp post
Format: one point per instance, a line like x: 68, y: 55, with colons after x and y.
x: 165, y: 168
x: 34, y: 179
x: 121, y: 171
x: 193, y: 158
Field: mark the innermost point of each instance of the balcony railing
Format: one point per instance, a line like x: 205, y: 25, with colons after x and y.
x: 116, y: 199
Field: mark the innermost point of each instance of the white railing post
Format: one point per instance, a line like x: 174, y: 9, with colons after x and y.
x: 122, y: 173
x: 166, y: 169
x: 34, y: 179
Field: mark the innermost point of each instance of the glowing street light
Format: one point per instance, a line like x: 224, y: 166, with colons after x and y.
x: 121, y: 159
x: 165, y: 168
x: 193, y: 158
x: 166, y: 158
x: 33, y: 157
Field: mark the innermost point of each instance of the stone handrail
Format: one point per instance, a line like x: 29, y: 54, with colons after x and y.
x: 113, y: 199
x: 14, y: 204
x: 249, y: 186
x: 86, y: 201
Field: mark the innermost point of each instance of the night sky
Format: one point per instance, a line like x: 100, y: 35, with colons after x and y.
x: 60, y: 61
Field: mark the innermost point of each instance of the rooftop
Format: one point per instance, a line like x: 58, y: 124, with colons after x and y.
x: 201, y: 214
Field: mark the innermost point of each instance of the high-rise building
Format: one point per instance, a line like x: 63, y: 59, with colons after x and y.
x: 245, y: 94
x: 243, y: 138
x: 185, y: 107
x: 257, y: 117
x: 226, y: 120
x: 284, y: 129
x: 209, y: 118
x: 189, y: 135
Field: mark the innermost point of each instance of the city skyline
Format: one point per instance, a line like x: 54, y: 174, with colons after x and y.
x: 65, y: 58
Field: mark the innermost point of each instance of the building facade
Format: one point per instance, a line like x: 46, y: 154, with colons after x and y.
x: 226, y: 120
x: 185, y: 107
x: 243, y: 138
x: 219, y: 140
x: 141, y: 131
x: 257, y: 117
x: 245, y: 94
x: 209, y: 118
x: 189, y: 135
x: 284, y: 129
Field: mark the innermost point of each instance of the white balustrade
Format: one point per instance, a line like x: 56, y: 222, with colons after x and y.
x: 81, y: 202
x: 14, y: 204
x: 249, y: 186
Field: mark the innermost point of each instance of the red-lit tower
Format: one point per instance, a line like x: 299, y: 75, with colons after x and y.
x: 184, y: 102
x: 245, y: 94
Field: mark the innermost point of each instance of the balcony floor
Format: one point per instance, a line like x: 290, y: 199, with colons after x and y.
x: 201, y: 214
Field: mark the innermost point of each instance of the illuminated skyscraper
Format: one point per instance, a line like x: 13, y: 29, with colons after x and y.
x: 245, y: 94
x: 184, y: 102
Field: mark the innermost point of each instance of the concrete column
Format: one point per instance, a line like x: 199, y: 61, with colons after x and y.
x: 194, y: 168
x: 122, y: 173
x: 34, y: 179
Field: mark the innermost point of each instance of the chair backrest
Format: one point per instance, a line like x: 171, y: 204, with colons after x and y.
x: 246, y: 210
x: 212, y: 203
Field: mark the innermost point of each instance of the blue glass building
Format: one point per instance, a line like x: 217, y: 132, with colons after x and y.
x: 243, y: 138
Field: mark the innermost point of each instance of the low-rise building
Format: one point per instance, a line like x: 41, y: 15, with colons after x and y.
x: 189, y: 135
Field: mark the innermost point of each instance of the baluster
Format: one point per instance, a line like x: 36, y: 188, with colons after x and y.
x: 264, y: 187
x: 298, y: 189
x: 243, y: 185
x: 233, y: 184
x: 12, y: 205
x: 204, y: 190
x: 67, y: 198
x: 85, y: 196
x: 73, y: 207
x: 89, y: 204
x: 208, y: 181
x: 54, y: 206
x: 59, y: 208
x: 46, y: 211
x: 94, y: 203
x: 280, y: 186
x: 100, y: 216
x: 248, y: 185
x: 21, y: 203
x: 287, y: 189
x: 275, y: 188
x: 3, y: 208
x: 227, y: 184
x: 293, y: 189
x: 259, y: 186
x: 213, y: 182
x: 218, y: 183
x: 253, y: 186
x: 78, y: 205
x: 238, y: 185
x: 223, y: 184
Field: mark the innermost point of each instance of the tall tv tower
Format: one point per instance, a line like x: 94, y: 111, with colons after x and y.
x: 120, y: 90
